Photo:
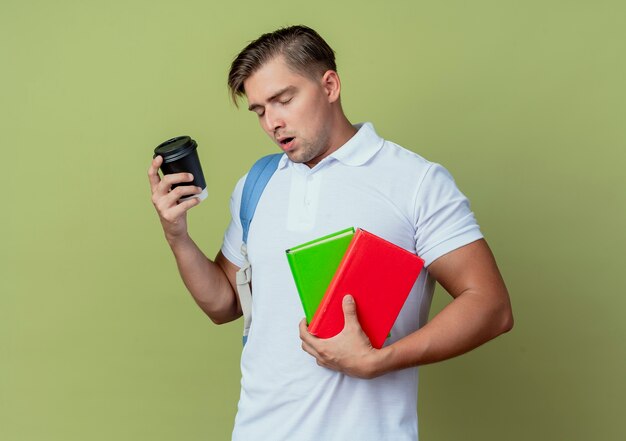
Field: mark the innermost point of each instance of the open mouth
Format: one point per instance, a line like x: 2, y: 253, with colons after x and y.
x: 286, y: 143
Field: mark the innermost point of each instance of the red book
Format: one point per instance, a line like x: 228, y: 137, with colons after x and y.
x: 379, y: 275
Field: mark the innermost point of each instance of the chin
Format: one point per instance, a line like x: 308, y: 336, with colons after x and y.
x: 301, y: 156
x: 294, y: 157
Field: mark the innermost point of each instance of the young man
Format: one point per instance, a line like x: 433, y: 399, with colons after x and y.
x: 334, y: 175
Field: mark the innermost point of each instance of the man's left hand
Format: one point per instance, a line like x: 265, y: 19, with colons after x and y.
x: 349, y: 352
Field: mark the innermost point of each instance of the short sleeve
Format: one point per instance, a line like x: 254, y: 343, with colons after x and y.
x: 444, y: 220
x: 231, y: 246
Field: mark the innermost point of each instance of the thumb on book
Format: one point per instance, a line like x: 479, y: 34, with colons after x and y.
x: 349, y: 308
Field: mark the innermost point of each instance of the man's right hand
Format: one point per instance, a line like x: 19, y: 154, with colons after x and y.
x: 173, y: 215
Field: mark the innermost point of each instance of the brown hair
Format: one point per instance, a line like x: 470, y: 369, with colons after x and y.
x: 304, y: 50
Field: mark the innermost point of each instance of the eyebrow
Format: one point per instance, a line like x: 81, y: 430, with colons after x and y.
x: 274, y: 97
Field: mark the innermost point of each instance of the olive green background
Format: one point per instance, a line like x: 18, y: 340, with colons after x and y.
x: 524, y: 102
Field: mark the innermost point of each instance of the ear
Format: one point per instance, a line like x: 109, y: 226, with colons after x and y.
x: 332, y: 85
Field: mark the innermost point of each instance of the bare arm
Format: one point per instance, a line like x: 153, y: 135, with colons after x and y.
x: 211, y: 283
x: 480, y: 311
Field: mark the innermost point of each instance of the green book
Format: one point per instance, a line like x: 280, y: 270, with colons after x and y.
x: 313, y: 265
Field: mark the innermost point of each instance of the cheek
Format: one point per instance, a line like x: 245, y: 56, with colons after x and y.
x: 311, y: 116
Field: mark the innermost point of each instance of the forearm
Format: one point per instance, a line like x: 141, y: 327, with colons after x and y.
x: 205, y: 280
x: 471, y: 319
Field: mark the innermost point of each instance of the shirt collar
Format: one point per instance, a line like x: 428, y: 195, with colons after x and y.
x: 357, y: 151
x: 361, y: 147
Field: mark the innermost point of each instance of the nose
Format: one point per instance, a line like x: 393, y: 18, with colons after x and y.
x: 273, y: 120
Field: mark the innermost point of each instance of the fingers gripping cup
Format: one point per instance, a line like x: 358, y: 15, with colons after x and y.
x: 180, y: 155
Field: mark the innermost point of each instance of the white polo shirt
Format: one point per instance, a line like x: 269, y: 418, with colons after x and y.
x: 370, y: 183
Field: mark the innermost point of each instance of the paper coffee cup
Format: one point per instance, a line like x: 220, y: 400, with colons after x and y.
x: 180, y: 155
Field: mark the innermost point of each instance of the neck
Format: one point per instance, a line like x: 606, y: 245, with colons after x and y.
x: 341, y: 131
x: 345, y: 131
